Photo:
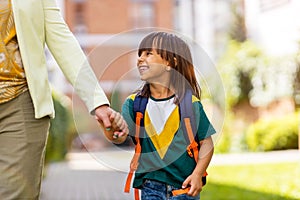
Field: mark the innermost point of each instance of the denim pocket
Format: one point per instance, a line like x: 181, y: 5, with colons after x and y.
x: 153, y: 190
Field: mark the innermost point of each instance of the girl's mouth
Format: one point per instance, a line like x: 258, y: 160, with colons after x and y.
x: 143, y: 68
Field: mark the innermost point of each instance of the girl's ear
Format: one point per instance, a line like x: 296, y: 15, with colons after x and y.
x: 175, y: 61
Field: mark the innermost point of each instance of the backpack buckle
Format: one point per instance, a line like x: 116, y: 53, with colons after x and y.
x: 189, y: 151
x: 192, y: 148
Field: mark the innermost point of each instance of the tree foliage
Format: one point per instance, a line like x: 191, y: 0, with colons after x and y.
x: 237, y: 68
x: 250, y: 75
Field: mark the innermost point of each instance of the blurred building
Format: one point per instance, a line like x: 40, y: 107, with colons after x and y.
x: 206, y: 21
x: 109, y: 31
x: 101, y: 23
x: 274, y: 25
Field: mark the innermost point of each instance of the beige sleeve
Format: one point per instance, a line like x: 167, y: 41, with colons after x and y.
x: 70, y: 57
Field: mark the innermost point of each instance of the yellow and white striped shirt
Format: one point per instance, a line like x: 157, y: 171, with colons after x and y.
x: 12, y: 74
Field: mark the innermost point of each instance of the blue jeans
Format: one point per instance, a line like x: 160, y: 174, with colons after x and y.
x: 154, y: 190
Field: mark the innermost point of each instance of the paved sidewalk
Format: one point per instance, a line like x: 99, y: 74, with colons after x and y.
x: 87, y: 176
x: 101, y: 176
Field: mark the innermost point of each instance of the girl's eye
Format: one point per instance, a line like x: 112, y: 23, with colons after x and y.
x: 149, y: 53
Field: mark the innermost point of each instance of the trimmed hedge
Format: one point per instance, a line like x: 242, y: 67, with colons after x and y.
x: 275, y: 134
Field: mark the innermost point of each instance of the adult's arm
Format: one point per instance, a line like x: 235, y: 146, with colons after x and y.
x: 71, y: 59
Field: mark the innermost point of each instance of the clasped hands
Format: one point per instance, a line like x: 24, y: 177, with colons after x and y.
x: 114, y: 126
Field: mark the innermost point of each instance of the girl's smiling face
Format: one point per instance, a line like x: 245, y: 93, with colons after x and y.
x: 152, y: 67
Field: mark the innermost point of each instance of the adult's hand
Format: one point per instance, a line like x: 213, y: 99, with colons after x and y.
x: 102, y: 114
x: 109, y: 119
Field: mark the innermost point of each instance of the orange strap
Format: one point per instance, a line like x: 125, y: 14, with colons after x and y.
x: 127, y: 186
x: 192, y: 149
x: 136, y: 194
x: 185, y: 190
x: 180, y: 191
x: 128, y: 181
x: 135, y: 160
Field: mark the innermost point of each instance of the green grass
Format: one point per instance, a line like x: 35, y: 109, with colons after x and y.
x: 280, y: 181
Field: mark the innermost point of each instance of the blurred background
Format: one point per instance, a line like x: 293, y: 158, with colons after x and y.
x: 251, y: 90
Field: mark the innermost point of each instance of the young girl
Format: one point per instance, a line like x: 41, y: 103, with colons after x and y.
x: 165, y: 64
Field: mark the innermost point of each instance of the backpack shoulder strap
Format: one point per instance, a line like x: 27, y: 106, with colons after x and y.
x: 139, y: 107
x: 188, y: 119
x: 187, y: 116
x: 190, y: 130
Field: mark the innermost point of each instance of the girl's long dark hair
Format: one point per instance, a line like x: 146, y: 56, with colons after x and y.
x: 176, y: 51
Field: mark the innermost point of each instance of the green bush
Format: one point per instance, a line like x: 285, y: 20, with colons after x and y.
x: 223, y: 142
x: 275, y: 134
x: 61, y: 129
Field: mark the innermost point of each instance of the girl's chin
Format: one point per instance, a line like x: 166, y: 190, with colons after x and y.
x: 143, y: 78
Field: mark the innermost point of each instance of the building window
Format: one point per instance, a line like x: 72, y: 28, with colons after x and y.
x: 142, y: 14
x: 79, y: 22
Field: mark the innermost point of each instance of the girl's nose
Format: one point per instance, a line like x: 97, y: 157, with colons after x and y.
x: 140, y: 59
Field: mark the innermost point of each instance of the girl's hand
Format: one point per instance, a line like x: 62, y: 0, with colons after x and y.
x: 194, y: 181
x: 119, y: 125
x: 114, y: 126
